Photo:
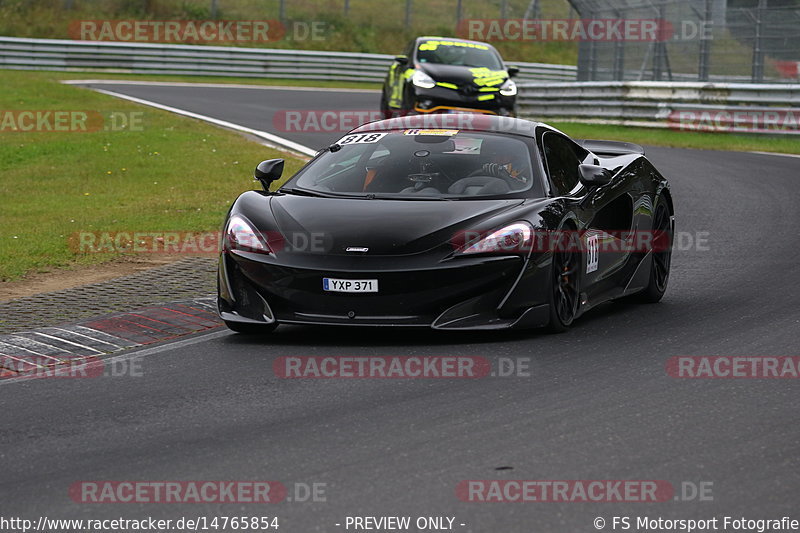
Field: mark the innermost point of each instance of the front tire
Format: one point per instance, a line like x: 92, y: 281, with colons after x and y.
x: 565, y: 289
x: 251, y: 329
x: 662, y: 255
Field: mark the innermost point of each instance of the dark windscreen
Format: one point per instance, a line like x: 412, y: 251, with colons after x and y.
x: 458, y: 53
x: 424, y: 164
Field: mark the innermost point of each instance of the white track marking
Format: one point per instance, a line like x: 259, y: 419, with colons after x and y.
x: 103, y: 334
x: 116, y: 347
x: 775, y: 153
x: 18, y: 359
x: 45, y: 335
x: 28, y: 349
x: 219, y: 85
x: 14, y: 348
x: 274, y: 140
x: 140, y: 353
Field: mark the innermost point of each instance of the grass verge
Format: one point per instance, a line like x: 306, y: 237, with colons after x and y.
x: 172, y: 174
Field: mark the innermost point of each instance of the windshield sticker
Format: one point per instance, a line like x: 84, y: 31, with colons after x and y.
x: 445, y: 133
x: 361, y: 138
x: 433, y: 45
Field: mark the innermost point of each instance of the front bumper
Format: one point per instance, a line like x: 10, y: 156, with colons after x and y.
x: 467, y: 293
x: 443, y: 100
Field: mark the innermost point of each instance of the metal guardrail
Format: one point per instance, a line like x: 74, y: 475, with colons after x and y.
x: 148, y: 58
x: 547, y: 92
x: 658, y: 104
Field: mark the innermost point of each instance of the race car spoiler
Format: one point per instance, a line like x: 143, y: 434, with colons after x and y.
x: 611, y: 148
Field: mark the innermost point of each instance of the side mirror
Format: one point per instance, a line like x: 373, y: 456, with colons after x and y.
x: 512, y: 71
x: 594, y: 176
x: 268, y: 171
x: 402, y: 59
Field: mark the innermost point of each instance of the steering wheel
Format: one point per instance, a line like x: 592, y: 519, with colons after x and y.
x: 500, y: 172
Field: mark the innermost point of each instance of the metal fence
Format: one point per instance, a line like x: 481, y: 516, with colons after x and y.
x: 752, y: 108
x: 704, y: 40
x: 192, y: 60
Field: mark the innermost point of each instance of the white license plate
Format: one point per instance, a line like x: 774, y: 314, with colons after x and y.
x: 349, y: 285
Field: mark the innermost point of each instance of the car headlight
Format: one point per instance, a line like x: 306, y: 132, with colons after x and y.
x: 240, y: 235
x: 511, y: 239
x: 420, y: 79
x: 509, y: 88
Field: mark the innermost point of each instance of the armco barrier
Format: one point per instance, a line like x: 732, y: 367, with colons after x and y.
x: 148, y: 58
x: 659, y: 104
x: 547, y: 92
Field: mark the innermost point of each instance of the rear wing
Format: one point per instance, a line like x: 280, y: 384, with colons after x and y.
x: 610, y: 148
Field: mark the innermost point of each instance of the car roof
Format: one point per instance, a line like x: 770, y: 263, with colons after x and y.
x: 455, y: 121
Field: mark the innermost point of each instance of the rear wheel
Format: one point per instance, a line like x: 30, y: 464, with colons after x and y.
x: 662, y: 255
x: 565, y: 293
x: 251, y: 329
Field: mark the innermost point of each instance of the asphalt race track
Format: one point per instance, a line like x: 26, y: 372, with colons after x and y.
x: 598, y: 403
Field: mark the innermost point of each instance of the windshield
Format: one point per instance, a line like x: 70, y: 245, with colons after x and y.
x: 458, y: 53
x: 421, y: 164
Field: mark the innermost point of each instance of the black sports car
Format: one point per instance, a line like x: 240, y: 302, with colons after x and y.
x: 443, y: 75
x: 450, y: 222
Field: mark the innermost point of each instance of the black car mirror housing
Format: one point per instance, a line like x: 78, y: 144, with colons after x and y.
x: 268, y: 171
x: 402, y: 59
x: 512, y: 71
x: 594, y: 175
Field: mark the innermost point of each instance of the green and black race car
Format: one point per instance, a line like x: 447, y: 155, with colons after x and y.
x: 444, y: 75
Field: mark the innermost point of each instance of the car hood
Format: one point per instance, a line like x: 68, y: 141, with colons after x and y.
x: 383, y: 227
x: 458, y: 75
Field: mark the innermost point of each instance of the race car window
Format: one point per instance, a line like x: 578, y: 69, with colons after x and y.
x: 459, y: 54
x: 423, y: 164
x: 562, y: 158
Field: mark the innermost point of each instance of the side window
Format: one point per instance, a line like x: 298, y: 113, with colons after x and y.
x: 409, y: 52
x: 562, y: 158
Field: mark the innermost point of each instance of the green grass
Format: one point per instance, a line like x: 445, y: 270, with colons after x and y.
x: 177, y: 174
x: 682, y: 139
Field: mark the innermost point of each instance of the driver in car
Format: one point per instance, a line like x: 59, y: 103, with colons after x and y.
x: 512, y: 169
